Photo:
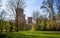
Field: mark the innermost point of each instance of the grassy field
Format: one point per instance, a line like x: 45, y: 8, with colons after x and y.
x: 39, y: 34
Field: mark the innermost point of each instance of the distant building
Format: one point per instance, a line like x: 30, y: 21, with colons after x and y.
x: 19, y: 12
x: 21, y: 17
x: 29, y: 22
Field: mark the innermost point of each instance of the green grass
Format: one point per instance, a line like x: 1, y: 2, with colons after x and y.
x: 39, y: 34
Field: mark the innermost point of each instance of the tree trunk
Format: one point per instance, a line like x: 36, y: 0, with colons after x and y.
x: 16, y: 23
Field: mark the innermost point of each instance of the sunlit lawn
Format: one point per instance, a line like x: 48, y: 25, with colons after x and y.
x: 39, y: 34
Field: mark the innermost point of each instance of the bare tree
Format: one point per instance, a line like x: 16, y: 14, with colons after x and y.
x: 2, y: 17
x: 58, y: 5
x: 12, y: 5
x: 48, y: 5
x: 36, y: 17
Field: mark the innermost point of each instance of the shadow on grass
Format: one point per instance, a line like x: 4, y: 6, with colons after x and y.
x: 3, y: 35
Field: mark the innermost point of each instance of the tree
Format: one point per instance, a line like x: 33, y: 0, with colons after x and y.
x: 2, y: 17
x: 36, y: 17
x: 51, y: 25
x: 58, y: 5
x: 17, y: 4
x: 11, y: 26
x: 48, y: 5
x: 14, y: 4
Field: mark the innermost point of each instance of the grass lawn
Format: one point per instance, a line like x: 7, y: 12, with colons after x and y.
x: 39, y: 34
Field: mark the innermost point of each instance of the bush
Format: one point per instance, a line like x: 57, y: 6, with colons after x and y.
x: 42, y: 26
x: 3, y: 35
x: 51, y: 25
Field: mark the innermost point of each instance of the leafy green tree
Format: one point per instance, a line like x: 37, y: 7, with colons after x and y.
x: 11, y: 26
x: 2, y: 16
x: 51, y: 25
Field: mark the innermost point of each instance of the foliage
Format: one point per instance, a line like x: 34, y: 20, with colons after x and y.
x: 33, y: 28
x: 6, y: 26
x: 42, y: 25
x: 3, y: 35
x: 51, y: 25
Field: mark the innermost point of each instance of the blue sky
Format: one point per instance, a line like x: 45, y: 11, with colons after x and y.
x: 31, y: 6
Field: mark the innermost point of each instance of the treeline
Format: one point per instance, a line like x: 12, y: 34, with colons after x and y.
x: 47, y: 25
x: 50, y: 21
x: 41, y: 22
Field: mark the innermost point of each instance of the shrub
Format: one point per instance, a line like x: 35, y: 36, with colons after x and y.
x: 3, y: 35
x: 51, y: 25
